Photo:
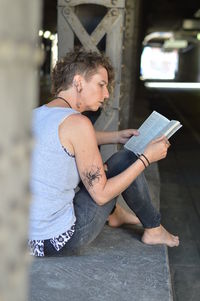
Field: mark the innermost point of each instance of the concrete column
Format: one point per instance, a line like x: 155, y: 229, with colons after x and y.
x: 19, y: 57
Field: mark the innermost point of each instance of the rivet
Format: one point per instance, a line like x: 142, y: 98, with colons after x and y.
x: 66, y: 11
x: 113, y: 2
x: 114, y: 12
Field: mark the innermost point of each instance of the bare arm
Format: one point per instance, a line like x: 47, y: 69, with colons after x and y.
x: 106, y: 137
x: 115, y: 136
x: 81, y: 135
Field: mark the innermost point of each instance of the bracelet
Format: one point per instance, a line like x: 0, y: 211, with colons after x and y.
x: 145, y: 158
x: 142, y: 162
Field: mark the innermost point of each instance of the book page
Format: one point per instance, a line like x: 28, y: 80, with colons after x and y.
x: 151, y: 127
x: 170, y: 129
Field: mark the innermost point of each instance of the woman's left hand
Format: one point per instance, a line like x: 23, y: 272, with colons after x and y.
x: 125, y: 135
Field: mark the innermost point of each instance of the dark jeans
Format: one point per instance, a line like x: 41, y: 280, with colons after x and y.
x: 91, y: 217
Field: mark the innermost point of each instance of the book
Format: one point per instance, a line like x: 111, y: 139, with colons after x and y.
x: 153, y: 127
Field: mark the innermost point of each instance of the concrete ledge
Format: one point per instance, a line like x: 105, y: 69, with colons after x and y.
x: 117, y: 266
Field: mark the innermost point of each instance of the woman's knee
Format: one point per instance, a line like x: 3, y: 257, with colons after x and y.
x: 87, y: 210
x: 119, y: 161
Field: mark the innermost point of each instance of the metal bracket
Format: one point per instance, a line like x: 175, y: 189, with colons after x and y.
x: 89, y: 42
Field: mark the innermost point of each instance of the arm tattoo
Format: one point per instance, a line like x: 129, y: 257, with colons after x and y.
x: 92, y: 176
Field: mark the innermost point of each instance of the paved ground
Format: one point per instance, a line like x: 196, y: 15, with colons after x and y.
x: 180, y: 185
x: 180, y: 191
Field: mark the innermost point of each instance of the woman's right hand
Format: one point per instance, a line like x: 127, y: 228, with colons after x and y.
x: 157, y: 149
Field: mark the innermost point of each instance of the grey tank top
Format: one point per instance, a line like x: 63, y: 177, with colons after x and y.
x: 54, y: 176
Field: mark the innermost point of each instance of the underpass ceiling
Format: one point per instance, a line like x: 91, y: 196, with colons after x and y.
x: 161, y: 15
x: 158, y: 15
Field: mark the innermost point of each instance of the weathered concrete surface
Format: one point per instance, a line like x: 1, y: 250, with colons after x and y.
x: 117, y: 266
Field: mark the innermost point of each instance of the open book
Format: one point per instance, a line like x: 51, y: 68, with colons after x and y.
x: 154, y: 126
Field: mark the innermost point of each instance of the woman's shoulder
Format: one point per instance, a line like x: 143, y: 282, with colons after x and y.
x: 76, y: 126
x: 76, y: 129
x: 78, y: 121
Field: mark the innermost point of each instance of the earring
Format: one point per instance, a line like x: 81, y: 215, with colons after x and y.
x: 78, y: 104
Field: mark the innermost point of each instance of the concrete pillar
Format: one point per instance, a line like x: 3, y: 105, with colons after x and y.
x: 19, y: 57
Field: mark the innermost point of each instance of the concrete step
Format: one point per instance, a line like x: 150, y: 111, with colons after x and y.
x: 117, y: 266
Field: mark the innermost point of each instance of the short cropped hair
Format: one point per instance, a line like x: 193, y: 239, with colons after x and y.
x: 80, y: 62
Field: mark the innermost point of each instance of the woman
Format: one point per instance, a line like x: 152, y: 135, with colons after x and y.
x: 63, y: 221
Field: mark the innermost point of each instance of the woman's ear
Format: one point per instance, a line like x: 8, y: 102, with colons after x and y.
x: 77, y: 82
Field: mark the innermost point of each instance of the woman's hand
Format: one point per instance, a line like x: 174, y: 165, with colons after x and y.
x: 157, y: 149
x: 125, y: 135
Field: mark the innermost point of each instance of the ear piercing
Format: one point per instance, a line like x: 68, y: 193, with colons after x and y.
x: 78, y: 104
x: 78, y: 88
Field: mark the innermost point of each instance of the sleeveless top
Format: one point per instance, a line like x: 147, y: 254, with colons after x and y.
x: 54, y: 177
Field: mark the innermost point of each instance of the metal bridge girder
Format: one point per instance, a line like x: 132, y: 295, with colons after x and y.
x: 111, y: 25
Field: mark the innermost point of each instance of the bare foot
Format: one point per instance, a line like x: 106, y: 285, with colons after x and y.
x: 159, y: 235
x: 120, y: 216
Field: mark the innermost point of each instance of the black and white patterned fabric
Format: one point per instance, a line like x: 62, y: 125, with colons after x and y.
x: 36, y: 247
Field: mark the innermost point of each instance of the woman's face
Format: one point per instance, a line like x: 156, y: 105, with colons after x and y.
x: 95, y: 91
